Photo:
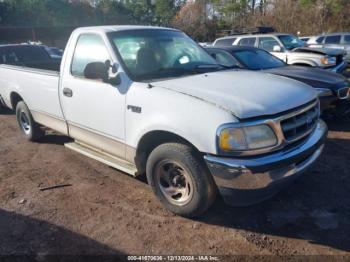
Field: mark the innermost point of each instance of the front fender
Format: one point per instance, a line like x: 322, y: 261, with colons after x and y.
x: 192, y: 119
x: 308, y: 62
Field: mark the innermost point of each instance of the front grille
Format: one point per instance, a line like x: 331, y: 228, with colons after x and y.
x: 299, y: 125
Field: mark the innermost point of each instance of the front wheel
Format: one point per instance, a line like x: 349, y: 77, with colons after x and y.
x: 2, y: 107
x: 180, y: 180
x: 29, y: 127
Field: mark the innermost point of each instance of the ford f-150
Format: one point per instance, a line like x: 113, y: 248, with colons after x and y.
x: 149, y: 100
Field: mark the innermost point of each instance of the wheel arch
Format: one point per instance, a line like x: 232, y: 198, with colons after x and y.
x: 151, y: 140
x: 15, y: 98
x: 303, y: 63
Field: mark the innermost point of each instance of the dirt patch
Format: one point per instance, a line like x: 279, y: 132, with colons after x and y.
x: 105, y: 211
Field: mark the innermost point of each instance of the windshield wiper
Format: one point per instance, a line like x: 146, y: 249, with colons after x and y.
x: 215, y: 66
x: 208, y: 66
x: 180, y: 71
x: 162, y: 73
x: 231, y: 67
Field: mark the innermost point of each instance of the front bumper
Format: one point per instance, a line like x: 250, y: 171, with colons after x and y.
x: 246, y: 181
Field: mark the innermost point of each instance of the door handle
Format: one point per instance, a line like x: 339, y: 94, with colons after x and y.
x: 67, y: 92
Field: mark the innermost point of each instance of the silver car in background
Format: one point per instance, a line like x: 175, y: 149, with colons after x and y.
x: 289, y: 49
x: 333, y: 40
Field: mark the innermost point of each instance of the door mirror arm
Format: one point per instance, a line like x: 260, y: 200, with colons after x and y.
x: 113, y: 67
x: 106, y: 72
x: 114, y: 80
x: 113, y: 74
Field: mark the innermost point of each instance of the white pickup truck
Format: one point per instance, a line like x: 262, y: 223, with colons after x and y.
x: 150, y: 100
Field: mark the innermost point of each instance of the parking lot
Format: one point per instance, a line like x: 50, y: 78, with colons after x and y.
x: 103, y: 211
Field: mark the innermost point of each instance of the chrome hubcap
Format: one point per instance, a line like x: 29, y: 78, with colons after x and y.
x: 174, y: 182
x: 24, y: 122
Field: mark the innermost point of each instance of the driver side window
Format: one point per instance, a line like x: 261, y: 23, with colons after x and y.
x: 267, y: 43
x: 10, y: 57
x: 90, y: 48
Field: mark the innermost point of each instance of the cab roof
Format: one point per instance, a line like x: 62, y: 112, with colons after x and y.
x: 115, y: 28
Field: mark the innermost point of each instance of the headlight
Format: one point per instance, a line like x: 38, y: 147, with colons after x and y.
x: 246, y: 138
x: 322, y: 92
x: 328, y: 60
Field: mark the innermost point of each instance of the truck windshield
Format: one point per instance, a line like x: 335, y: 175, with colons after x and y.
x: 256, y: 59
x: 157, y: 53
x: 290, y: 41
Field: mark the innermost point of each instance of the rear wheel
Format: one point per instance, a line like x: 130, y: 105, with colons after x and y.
x: 29, y: 127
x: 180, y: 180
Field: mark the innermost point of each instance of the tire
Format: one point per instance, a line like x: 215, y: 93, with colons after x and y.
x: 2, y: 106
x: 29, y: 127
x: 180, y: 179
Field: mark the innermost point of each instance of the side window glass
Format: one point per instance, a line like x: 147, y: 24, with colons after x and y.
x: 268, y: 43
x: 90, y: 48
x: 10, y: 57
x: 333, y: 39
x: 247, y: 41
x: 319, y: 40
x: 347, y: 39
x: 224, y: 58
x: 225, y: 42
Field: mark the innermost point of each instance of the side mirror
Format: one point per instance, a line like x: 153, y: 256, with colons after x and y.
x: 113, y: 75
x: 101, y: 71
x: 277, y: 48
x: 96, y: 71
x: 213, y: 56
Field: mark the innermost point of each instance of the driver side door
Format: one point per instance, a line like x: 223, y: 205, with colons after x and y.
x: 94, y: 110
x: 268, y: 43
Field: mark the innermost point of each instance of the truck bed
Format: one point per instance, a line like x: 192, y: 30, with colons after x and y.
x: 49, y: 66
x: 38, y: 88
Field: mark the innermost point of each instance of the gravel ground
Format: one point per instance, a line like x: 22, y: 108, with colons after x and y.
x: 104, y: 211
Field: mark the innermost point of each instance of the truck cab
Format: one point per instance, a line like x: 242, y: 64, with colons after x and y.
x: 149, y: 100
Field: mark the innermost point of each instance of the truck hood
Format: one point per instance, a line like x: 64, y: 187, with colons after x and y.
x: 245, y: 94
x: 320, y: 51
x: 312, y: 76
